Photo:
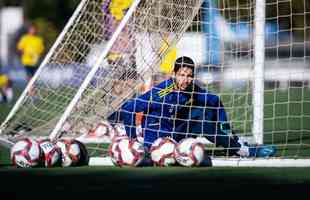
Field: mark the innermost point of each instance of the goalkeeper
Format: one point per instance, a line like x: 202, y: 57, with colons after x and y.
x: 179, y: 108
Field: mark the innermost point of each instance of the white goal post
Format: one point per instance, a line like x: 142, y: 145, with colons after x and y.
x: 253, y: 54
x: 259, y: 61
x: 94, y: 69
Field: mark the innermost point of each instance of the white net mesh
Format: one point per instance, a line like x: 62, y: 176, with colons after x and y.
x: 120, y: 72
x: 218, y: 35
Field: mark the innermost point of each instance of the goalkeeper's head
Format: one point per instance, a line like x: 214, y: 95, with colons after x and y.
x: 184, y: 61
x: 184, y: 72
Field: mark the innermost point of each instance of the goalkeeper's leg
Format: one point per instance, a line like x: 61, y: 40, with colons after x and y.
x: 230, y: 141
x: 237, y: 147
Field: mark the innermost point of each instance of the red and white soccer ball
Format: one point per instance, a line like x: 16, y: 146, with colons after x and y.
x: 120, y: 130
x: 71, y: 152
x: 26, y: 153
x: 162, y: 151
x: 51, y: 153
x: 103, y: 129
x: 125, y: 151
x: 189, y: 152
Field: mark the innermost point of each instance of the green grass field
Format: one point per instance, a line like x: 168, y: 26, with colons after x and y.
x: 216, y: 180
x: 224, y: 182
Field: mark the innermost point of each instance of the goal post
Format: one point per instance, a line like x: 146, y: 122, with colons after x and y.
x: 91, y: 74
x: 101, y: 58
x: 253, y: 54
x: 44, y: 62
x: 259, y: 64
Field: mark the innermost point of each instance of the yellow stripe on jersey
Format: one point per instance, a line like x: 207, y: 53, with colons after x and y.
x: 163, y: 92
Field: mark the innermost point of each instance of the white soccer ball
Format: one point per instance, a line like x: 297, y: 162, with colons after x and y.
x: 71, y: 152
x: 120, y: 130
x: 51, y: 153
x: 189, y: 152
x: 26, y: 153
x: 126, y: 151
x: 103, y: 129
x: 162, y: 151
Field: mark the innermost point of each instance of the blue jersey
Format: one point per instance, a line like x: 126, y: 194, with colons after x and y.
x: 179, y: 114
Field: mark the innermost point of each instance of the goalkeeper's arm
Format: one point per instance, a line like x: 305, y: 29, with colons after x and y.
x: 127, y: 113
x: 214, y: 124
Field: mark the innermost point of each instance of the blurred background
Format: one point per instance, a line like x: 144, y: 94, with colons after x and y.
x: 49, y: 16
x: 222, y: 34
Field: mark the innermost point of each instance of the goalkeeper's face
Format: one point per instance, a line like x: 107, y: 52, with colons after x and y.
x: 183, y: 78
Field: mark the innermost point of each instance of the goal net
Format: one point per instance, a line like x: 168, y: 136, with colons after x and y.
x: 252, y: 54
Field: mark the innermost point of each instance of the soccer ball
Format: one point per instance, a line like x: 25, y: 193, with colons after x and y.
x: 189, y: 152
x: 103, y: 129
x: 84, y: 157
x: 26, y: 153
x: 120, y: 130
x: 162, y: 151
x: 71, y: 152
x: 51, y: 153
x: 126, y: 151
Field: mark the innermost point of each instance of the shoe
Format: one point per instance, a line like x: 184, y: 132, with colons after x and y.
x: 262, y: 151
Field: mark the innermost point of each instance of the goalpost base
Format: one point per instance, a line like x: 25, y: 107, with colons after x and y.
x: 100, y: 161
x: 260, y: 162
x: 228, y: 162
